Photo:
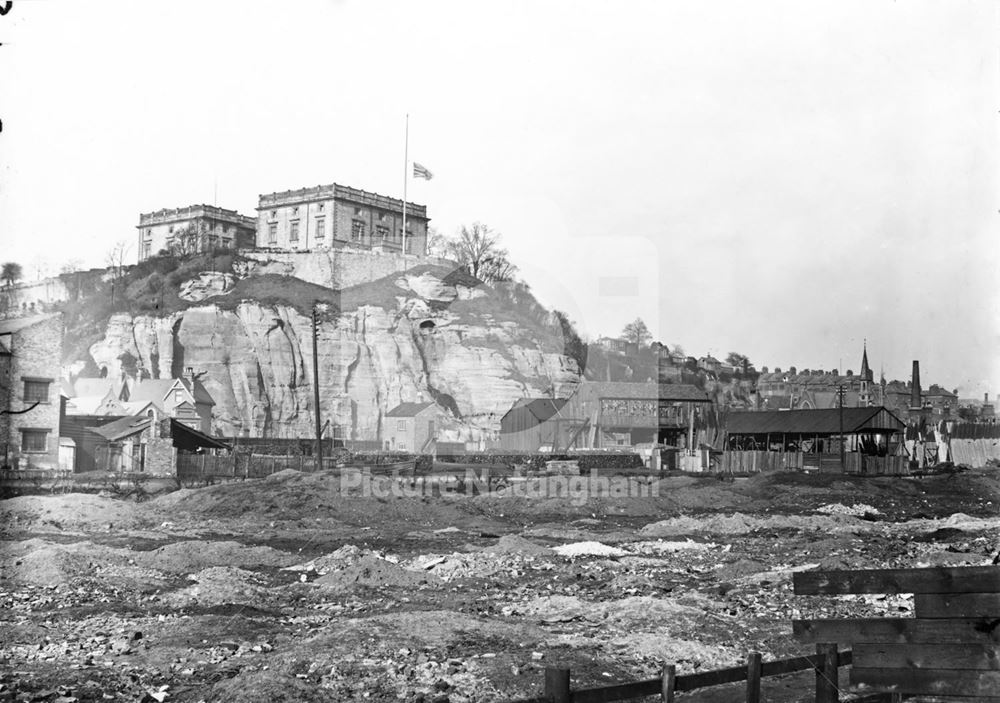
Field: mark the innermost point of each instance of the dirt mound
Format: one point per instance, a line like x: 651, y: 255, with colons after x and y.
x: 738, y: 523
x: 220, y: 585
x: 740, y: 568
x: 267, y: 687
x: 72, y: 511
x: 372, y: 572
x: 194, y: 555
x: 340, y: 558
x: 515, y: 544
x: 41, y: 563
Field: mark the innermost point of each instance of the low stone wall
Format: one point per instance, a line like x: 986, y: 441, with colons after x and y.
x: 336, y: 268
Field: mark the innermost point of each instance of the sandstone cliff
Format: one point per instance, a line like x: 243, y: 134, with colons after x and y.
x: 423, y: 333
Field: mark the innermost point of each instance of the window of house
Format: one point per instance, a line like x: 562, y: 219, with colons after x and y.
x: 293, y: 232
x: 357, y: 229
x: 272, y: 233
x: 178, y: 396
x: 320, y: 228
x: 36, y: 391
x: 402, y: 446
x: 401, y: 425
x: 34, y: 440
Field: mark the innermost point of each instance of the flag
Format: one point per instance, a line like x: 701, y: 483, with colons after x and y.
x: 421, y: 172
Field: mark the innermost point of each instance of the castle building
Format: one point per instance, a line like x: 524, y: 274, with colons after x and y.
x: 192, y: 229
x: 330, y: 216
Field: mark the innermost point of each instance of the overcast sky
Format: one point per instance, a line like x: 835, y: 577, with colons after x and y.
x: 782, y: 179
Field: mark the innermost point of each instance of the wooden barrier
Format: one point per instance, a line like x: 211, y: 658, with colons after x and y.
x: 951, y: 647
x: 752, y: 462
x: 826, y: 661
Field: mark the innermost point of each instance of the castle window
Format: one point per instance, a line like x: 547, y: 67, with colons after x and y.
x: 34, y: 440
x: 381, y: 217
x: 320, y: 228
x: 274, y: 213
x: 357, y: 230
x: 293, y: 232
x: 295, y: 210
x: 358, y: 212
x: 321, y: 206
x: 382, y: 232
x: 272, y: 233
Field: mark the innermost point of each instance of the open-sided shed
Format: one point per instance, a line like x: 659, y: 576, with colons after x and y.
x: 868, y: 429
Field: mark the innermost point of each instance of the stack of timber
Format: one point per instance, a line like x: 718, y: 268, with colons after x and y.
x: 950, y: 648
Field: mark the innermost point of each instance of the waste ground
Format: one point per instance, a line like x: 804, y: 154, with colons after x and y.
x: 290, y: 589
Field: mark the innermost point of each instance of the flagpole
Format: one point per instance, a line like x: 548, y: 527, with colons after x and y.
x: 406, y: 161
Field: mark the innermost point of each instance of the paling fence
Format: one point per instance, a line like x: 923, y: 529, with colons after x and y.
x: 974, y: 452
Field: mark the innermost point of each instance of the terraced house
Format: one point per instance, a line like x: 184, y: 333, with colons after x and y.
x: 29, y: 397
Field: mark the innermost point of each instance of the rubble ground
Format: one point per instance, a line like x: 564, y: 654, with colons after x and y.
x: 289, y: 589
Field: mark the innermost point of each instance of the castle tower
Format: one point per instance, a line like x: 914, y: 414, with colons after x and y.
x: 865, y: 392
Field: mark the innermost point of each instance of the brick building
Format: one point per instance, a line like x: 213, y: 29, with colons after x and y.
x: 333, y: 215
x: 409, y: 427
x: 196, y: 228
x: 30, y: 349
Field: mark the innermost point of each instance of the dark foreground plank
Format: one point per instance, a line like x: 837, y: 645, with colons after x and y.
x: 959, y: 579
x: 930, y: 681
x: 979, y: 657
x: 899, y: 631
x: 957, y: 605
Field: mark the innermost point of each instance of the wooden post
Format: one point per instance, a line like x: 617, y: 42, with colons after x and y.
x: 753, y: 677
x: 557, y: 684
x: 826, y: 673
x: 667, y: 680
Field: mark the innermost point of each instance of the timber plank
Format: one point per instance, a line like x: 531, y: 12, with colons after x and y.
x: 959, y: 579
x: 957, y: 605
x: 927, y: 656
x: 930, y: 681
x: 899, y: 630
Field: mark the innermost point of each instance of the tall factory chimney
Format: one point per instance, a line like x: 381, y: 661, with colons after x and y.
x: 915, y: 387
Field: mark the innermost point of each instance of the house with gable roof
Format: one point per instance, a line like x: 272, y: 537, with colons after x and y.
x: 409, y: 427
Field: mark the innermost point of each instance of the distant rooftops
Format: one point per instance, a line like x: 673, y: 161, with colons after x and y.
x: 339, y: 192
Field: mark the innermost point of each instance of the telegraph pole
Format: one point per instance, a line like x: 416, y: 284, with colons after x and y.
x: 843, y: 455
x: 319, y: 425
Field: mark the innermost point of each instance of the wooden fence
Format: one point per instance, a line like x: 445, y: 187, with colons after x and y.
x: 975, y: 453
x: 752, y: 462
x: 191, y: 467
x: 825, y: 663
x: 35, y: 474
x: 951, y: 647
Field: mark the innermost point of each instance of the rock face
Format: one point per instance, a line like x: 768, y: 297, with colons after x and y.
x: 439, y: 342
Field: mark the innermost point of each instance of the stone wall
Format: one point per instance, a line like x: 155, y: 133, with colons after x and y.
x: 336, y: 268
x: 161, y: 457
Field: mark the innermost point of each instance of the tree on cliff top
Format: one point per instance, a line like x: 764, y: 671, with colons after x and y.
x: 477, y: 248
x: 738, y: 360
x: 11, y: 273
x: 637, y: 332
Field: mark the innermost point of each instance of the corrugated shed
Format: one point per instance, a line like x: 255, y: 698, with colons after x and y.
x: 813, y: 422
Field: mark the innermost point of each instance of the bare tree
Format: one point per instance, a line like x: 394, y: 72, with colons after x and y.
x: 637, y: 332
x: 116, y: 264
x: 477, y: 248
x: 185, y: 241
x: 738, y: 360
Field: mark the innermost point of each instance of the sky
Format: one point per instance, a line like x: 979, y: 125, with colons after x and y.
x: 780, y: 179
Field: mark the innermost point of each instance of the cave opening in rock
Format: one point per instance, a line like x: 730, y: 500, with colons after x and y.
x: 427, y: 325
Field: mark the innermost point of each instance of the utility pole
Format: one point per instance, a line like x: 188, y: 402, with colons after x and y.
x: 319, y: 425
x: 840, y: 402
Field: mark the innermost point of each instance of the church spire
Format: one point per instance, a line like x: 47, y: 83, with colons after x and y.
x: 866, y: 372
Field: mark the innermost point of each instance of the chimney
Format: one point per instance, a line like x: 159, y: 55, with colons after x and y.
x: 189, y: 375
x: 915, y: 388
x: 986, y: 398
